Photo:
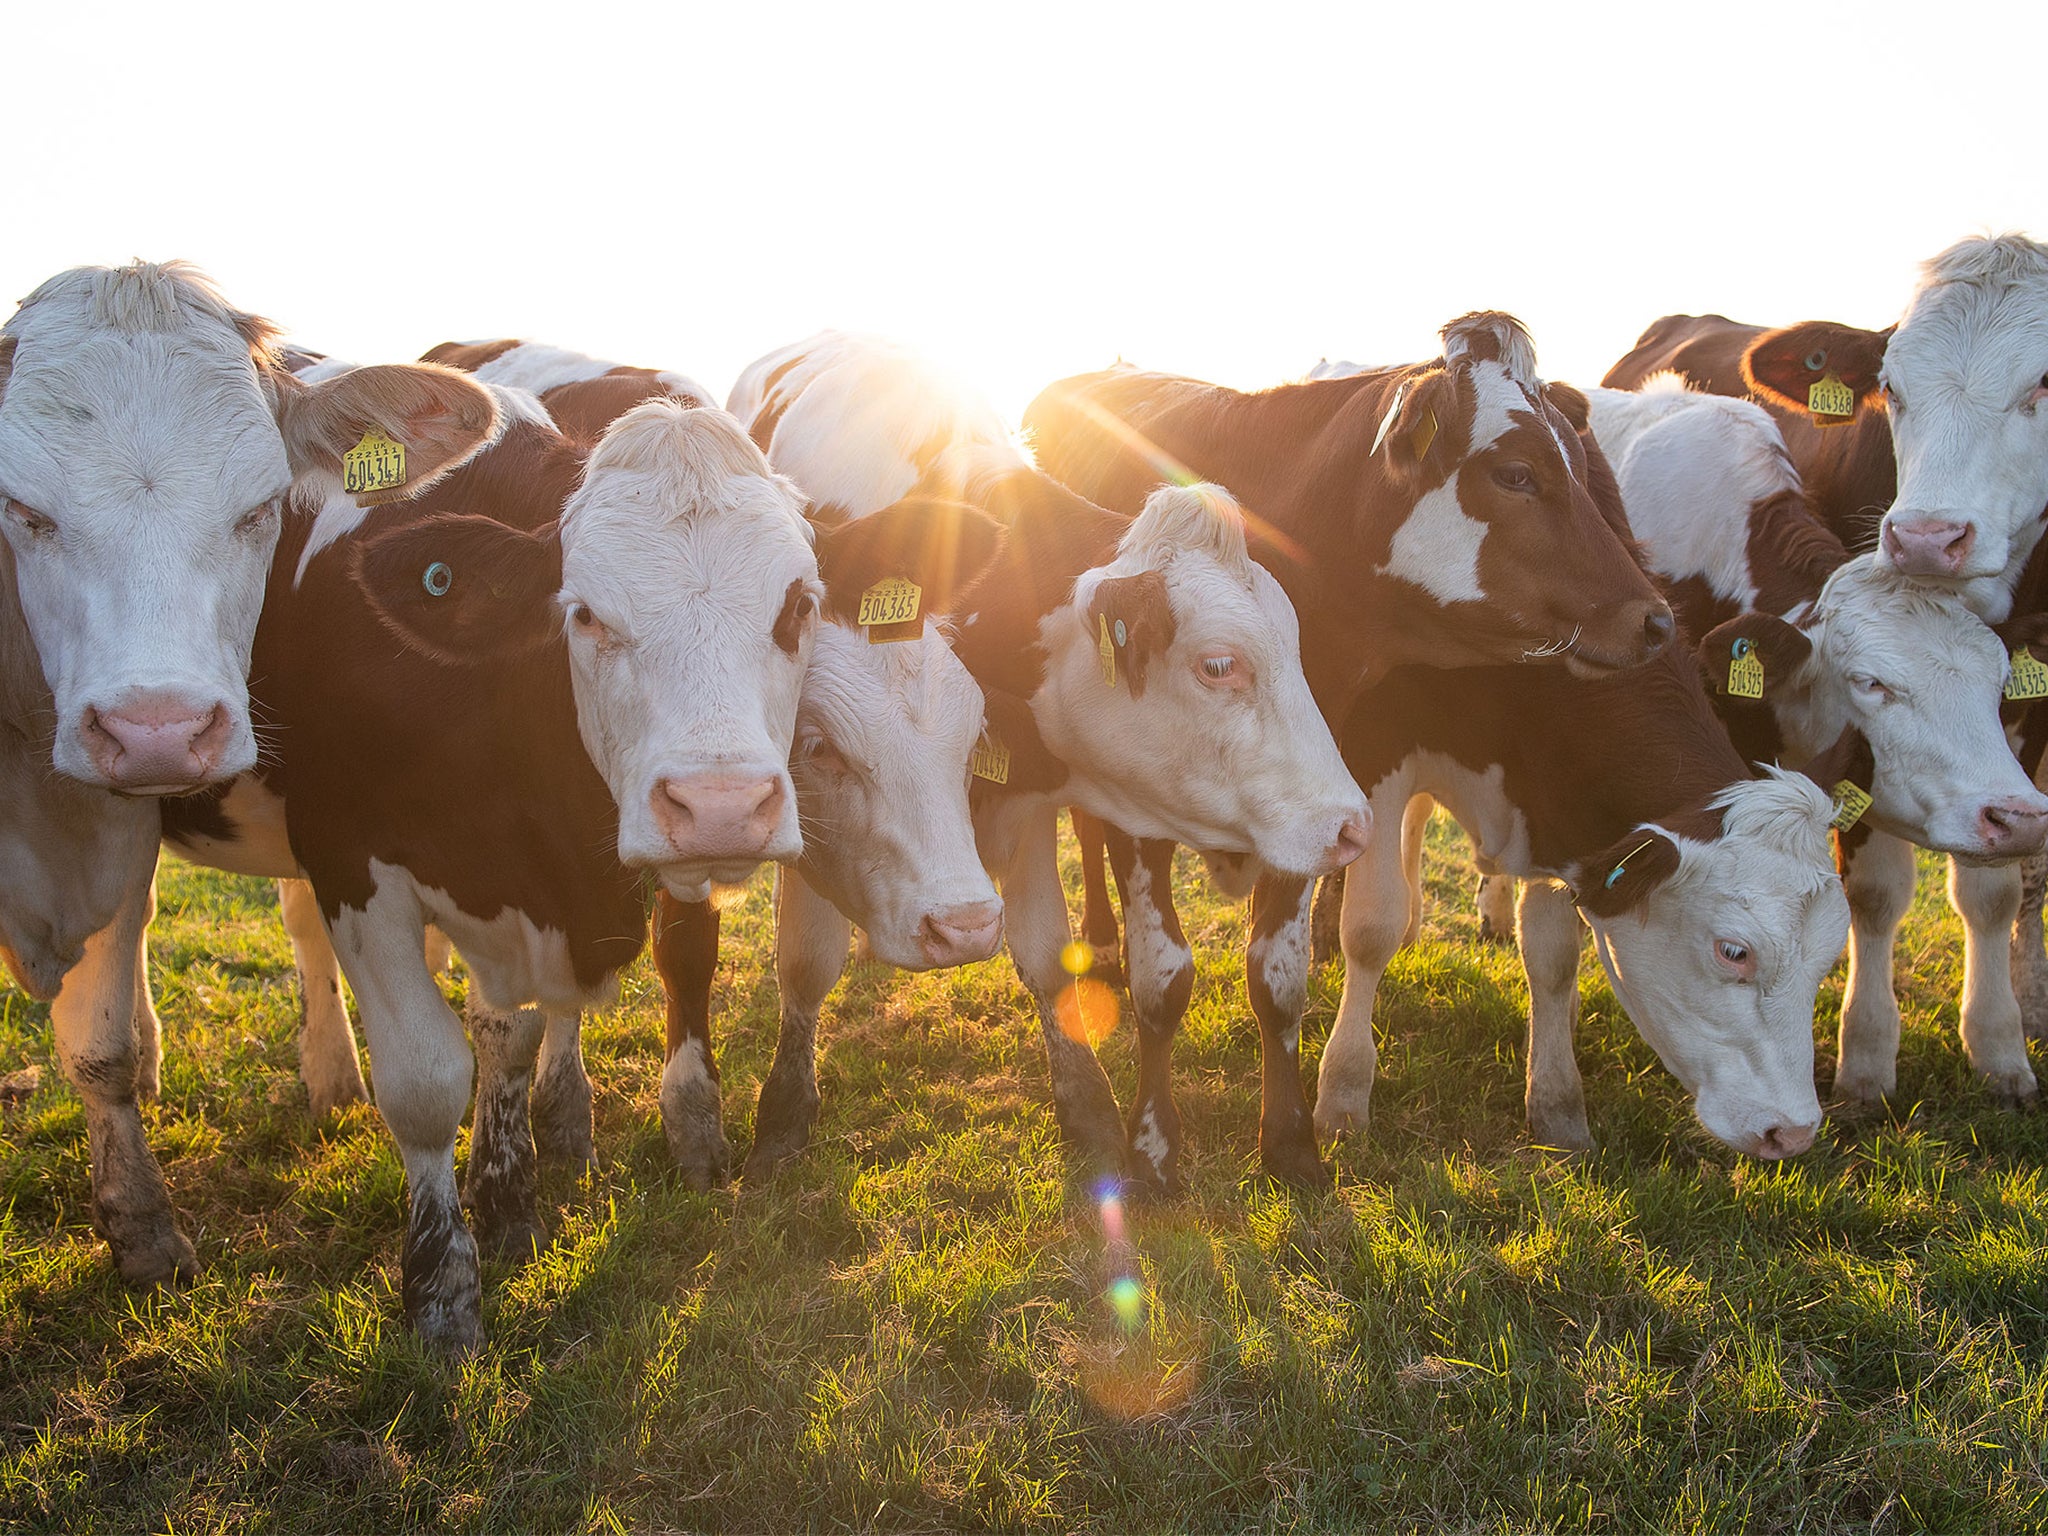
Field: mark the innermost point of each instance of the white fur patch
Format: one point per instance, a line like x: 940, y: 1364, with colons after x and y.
x: 1436, y: 547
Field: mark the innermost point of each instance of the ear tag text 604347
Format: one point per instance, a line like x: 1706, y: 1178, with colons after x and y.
x: 377, y: 463
x: 1851, y: 801
x: 892, y: 609
x: 2029, y: 678
x: 1830, y: 401
x: 1745, y: 670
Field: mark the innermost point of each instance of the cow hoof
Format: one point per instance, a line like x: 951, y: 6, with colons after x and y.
x: 326, y: 1099
x: 1565, y: 1130
x: 519, y: 1241
x: 442, y: 1285
x: 783, y: 1120
x: 1858, y: 1088
x: 693, y: 1120
x: 1150, y: 1178
x: 163, y: 1257
x: 1296, y: 1165
x: 1335, y: 1121
x: 2013, y: 1092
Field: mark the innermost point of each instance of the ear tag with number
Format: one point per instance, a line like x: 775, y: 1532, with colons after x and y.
x: 991, y: 760
x: 2029, y: 678
x: 892, y: 609
x: 1745, y: 670
x: 1831, y: 401
x: 1424, y: 435
x: 377, y: 463
x: 1106, y: 648
x: 1851, y: 801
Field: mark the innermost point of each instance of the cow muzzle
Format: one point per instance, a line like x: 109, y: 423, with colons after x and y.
x: 961, y: 935
x: 723, y: 817
x: 160, y: 743
x: 1928, y: 546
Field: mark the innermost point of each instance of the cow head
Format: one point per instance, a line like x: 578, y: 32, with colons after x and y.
x: 1716, y: 929
x: 1174, y: 692
x: 886, y: 729
x: 682, y: 579
x: 1963, y: 377
x: 1918, y: 676
x: 147, y: 444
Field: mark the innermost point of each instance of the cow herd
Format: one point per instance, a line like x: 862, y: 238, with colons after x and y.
x: 495, y: 649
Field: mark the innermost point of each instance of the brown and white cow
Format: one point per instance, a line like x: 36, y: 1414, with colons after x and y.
x: 1439, y: 514
x: 1096, y: 637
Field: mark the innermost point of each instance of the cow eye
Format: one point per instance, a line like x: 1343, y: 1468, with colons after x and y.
x: 1223, y: 670
x: 1873, y: 689
x: 1735, y: 957
x: 35, y: 522
x: 1515, y: 476
x: 256, y: 520
x: 816, y: 749
x: 588, y: 624
x: 1893, y: 398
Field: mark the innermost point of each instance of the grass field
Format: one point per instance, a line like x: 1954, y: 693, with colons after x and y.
x: 919, y: 1325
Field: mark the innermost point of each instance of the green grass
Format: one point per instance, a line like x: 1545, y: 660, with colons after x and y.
x: 911, y: 1329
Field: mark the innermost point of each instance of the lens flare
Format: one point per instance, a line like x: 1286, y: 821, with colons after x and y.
x: 1086, y: 1012
x: 1127, y: 1301
x: 1078, y: 958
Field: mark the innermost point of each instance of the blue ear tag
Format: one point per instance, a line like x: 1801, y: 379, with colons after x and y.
x: 437, y: 579
x: 1616, y: 873
x: 1120, y: 636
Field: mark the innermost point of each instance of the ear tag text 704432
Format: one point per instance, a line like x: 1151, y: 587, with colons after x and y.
x: 892, y: 609
x: 1830, y: 401
x: 2029, y: 678
x: 990, y: 760
x: 1745, y: 670
x: 1851, y: 801
x: 377, y: 463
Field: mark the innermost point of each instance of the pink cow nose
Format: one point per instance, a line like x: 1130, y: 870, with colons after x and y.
x: 962, y: 934
x: 1928, y: 546
x: 720, y: 816
x: 1784, y: 1140
x: 2013, y: 827
x: 1350, y: 843
x: 156, y: 743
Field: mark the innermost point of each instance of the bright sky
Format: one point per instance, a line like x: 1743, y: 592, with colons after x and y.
x: 1027, y: 191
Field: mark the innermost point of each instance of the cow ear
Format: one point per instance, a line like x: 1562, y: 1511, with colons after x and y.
x: 439, y: 417
x: 1571, y: 404
x: 1782, y: 366
x: 464, y: 589
x: 1413, y: 433
x: 2029, y: 631
x: 1622, y: 875
x: 1010, y: 725
x: 1132, y: 620
x: 941, y: 545
x: 1727, y: 653
x: 1848, y: 761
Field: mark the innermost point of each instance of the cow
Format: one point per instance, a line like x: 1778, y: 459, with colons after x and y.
x: 149, y: 443
x: 1439, y: 514
x: 1096, y: 638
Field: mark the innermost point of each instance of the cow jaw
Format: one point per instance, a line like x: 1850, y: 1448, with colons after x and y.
x: 690, y: 600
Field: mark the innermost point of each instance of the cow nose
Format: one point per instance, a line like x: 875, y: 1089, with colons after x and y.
x: 1352, y: 837
x: 1657, y: 627
x: 2013, y: 826
x: 962, y: 934
x: 1785, y: 1139
x: 720, y: 816
x: 156, y: 742
x: 1928, y: 546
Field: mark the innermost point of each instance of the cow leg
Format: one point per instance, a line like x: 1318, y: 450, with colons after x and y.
x: 1414, y: 828
x: 1547, y: 928
x: 1495, y: 899
x: 1162, y: 978
x: 1035, y: 922
x: 2029, y: 955
x: 1098, y: 917
x: 1276, y: 965
x: 1326, y: 921
x: 327, y: 1046
x: 149, y: 1029
x: 420, y: 1064
x: 503, y: 1191
x: 94, y: 1020
x: 1988, y: 899
x: 1375, y: 919
x: 692, y: 1112
x: 560, y: 1104
x: 811, y: 936
x: 1878, y: 878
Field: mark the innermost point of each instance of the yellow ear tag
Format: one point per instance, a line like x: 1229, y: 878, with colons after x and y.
x: 1423, y: 435
x: 1106, y: 649
x: 377, y: 463
x: 1745, y: 670
x: 893, y: 610
x: 1831, y: 401
x: 991, y: 761
x: 2029, y: 678
x: 1850, y: 804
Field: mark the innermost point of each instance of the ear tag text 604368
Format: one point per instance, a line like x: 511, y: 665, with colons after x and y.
x: 2029, y: 678
x: 377, y: 463
x: 1851, y: 801
x: 892, y: 609
x: 1745, y: 670
x: 1830, y: 401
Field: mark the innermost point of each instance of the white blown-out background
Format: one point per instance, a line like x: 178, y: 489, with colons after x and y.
x: 1023, y: 191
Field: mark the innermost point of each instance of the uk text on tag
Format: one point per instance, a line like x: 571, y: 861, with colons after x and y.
x: 1424, y: 435
x: 991, y: 761
x: 1830, y: 400
x: 375, y: 464
x: 1745, y: 670
x: 2029, y: 678
x: 1106, y: 649
x: 1851, y: 802
x: 892, y: 610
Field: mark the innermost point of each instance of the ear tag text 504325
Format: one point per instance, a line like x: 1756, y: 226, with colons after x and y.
x: 1851, y: 801
x: 1106, y: 648
x: 892, y: 609
x: 991, y: 761
x: 1830, y: 401
x: 1745, y: 670
x: 2029, y: 678
x: 377, y: 463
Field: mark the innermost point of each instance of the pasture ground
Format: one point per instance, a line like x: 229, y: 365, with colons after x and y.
x: 914, y: 1327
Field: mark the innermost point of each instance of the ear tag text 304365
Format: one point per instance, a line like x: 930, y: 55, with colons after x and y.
x: 892, y: 609
x: 1745, y: 670
x: 377, y: 463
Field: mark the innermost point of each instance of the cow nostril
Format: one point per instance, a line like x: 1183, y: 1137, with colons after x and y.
x: 1658, y: 626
